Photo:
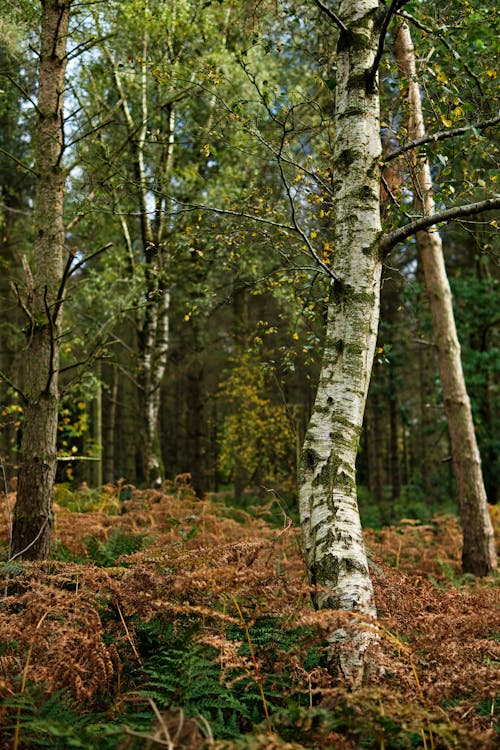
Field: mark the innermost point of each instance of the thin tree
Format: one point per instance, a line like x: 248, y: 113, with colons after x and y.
x: 42, y: 301
x: 478, y: 552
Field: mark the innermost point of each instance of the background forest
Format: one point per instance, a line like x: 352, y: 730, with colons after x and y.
x: 192, y: 342
x: 177, y: 198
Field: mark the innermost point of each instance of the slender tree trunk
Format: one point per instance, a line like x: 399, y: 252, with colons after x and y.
x: 109, y: 469
x: 394, y: 439
x: 332, y: 534
x: 95, y: 469
x: 375, y: 450
x: 478, y: 554
x: 241, y: 477
x: 153, y: 317
x: 33, y: 512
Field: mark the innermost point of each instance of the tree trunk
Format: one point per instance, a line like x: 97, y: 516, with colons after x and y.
x: 332, y: 534
x: 394, y: 442
x: 478, y: 554
x: 153, y: 320
x: 32, y: 524
x: 111, y: 399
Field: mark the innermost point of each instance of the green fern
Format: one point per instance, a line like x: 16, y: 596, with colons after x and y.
x: 186, y: 673
x: 51, y: 722
x: 120, y: 543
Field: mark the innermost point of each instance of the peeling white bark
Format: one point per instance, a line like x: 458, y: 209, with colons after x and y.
x: 153, y: 328
x: 331, y: 526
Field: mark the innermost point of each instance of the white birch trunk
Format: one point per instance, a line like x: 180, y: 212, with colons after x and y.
x: 331, y: 526
x: 153, y: 328
x: 478, y: 554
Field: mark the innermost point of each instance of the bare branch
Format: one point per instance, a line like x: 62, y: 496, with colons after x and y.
x: 388, y: 15
x: 440, y: 136
x: 424, y: 222
x: 79, y: 216
x: 229, y: 212
x: 98, y: 127
x: 23, y: 305
x: 28, y: 98
x: 85, y: 46
x: 17, y: 161
x: 293, y: 213
x: 332, y: 16
x: 8, y: 381
x: 81, y: 263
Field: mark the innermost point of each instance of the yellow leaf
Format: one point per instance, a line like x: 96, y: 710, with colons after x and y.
x: 446, y: 121
x: 295, y: 336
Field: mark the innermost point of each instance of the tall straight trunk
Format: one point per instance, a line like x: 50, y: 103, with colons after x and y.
x: 394, y: 461
x: 375, y: 450
x: 32, y: 523
x: 153, y: 317
x: 331, y: 527
x: 478, y: 554
x: 109, y: 468
x: 95, y: 469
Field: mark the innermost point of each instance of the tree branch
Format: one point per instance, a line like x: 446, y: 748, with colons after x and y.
x: 228, y: 212
x: 85, y: 260
x: 17, y: 161
x: 440, y: 35
x: 5, y: 378
x: 424, y: 222
x: 388, y: 15
x: 440, y: 136
x: 332, y: 16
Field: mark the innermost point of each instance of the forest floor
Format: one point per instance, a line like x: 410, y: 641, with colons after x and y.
x: 166, y: 621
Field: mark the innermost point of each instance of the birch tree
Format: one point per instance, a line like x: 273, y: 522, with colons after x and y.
x: 332, y: 534
x: 153, y: 323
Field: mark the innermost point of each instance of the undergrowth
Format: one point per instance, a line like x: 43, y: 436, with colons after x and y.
x: 167, y: 621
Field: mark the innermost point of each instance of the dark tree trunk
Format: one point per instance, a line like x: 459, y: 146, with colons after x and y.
x: 32, y: 524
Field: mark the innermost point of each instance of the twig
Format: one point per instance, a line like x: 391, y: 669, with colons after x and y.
x: 6, y: 379
x: 440, y: 136
x: 332, y: 16
x: 82, y: 262
x: 127, y: 633
x: 258, y: 678
x: 35, y: 540
x: 388, y: 15
x: 17, y: 161
x: 441, y: 36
